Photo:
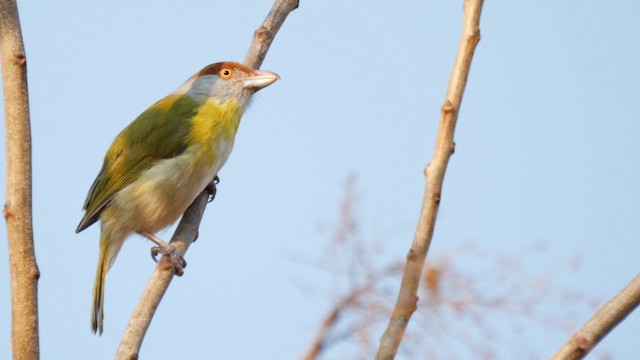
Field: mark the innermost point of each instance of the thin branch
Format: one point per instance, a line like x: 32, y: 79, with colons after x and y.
x: 188, y: 228
x: 140, y: 320
x: 264, y: 35
x: 601, y: 323
x: 320, y: 341
x: 17, y: 209
x: 351, y: 300
x: 434, y: 174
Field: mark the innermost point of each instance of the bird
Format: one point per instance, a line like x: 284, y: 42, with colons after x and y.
x: 163, y: 160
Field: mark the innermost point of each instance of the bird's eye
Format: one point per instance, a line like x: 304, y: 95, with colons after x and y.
x: 226, y: 73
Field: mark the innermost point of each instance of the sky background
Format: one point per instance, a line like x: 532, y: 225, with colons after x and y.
x: 547, y: 151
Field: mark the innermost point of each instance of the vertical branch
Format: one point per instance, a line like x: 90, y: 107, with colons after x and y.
x: 434, y: 174
x: 602, y: 322
x: 17, y: 209
x: 187, y: 229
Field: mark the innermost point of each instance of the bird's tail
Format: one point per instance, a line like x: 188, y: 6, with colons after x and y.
x: 108, y: 251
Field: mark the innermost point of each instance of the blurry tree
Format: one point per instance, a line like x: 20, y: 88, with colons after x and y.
x: 483, y: 311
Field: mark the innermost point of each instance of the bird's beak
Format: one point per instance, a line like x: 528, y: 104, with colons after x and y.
x: 260, y: 79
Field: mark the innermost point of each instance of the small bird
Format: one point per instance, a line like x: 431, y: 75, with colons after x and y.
x: 159, y: 163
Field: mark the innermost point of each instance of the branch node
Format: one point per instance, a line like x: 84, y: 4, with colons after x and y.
x: 447, y: 108
x: 20, y: 59
x: 6, y: 213
x: 476, y: 36
x: 262, y: 33
x: 409, y: 307
x: 584, y: 343
x: 436, y: 196
x: 35, y: 273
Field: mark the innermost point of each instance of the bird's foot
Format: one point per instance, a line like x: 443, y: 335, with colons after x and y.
x: 171, y: 252
x: 178, y: 262
x: 211, y: 188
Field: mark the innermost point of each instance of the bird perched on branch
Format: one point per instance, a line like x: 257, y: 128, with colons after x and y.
x: 159, y: 163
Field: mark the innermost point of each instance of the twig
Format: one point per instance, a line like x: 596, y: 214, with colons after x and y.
x: 351, y: 300
x: 17, y: 209
x: 320, y: 341
x: 188, y: 228
x: 434, y: 174
x: 264, y: 35
x: 601, y: 323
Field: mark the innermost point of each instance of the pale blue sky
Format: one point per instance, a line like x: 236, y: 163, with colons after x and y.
x: 546, y: 150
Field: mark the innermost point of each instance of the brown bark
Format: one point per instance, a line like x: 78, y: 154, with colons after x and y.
x: 434, y: 173
x: 17, y: 209
x: 602, y: 322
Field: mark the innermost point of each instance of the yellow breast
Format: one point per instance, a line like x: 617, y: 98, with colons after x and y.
x: 163, y: 192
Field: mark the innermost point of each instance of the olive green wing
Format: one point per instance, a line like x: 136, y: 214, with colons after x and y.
x: 161, y: 132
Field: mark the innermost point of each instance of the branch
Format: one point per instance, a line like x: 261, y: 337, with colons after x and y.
x: 434, y: 174
x: 140, y: 320
x: 17, y: 209
x: 349, y: 301
x: 600, y: 324
x: 264, y: 35
x: 187, y: 230
x: 320, y: 341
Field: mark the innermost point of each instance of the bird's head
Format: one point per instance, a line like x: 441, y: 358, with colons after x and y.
x: 226, y: 81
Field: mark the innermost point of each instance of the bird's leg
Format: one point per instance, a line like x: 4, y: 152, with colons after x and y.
x: 163, y: 248
x: 211, y: 188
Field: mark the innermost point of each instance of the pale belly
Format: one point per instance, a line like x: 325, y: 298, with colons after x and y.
x: 163, y: 192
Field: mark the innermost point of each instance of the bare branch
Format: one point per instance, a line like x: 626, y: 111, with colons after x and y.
x: 352, y: 300
x: 140, y: 320
x: 604, y: 320
x: 188, y: 228
x: 319, y: 342
x: 457, y: 312
x: 264, y: 35
x: 17, y: 209
x: 434, y: 173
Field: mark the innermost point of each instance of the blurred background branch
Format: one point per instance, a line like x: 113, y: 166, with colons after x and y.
x: 475, y: 303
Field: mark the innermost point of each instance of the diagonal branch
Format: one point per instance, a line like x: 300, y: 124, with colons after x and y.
x: 353, y: 299
x: 140, y: 320
x: 17, y: 209
x: 188, y: 228
x: 601, y: 323
x: 434, y: 174
x: 264, y: 35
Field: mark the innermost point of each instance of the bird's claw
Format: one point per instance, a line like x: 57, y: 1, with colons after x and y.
x: 211, y: 188
x: 178, y: 262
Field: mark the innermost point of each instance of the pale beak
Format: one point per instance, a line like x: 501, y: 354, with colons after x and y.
x: 260, y: 79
